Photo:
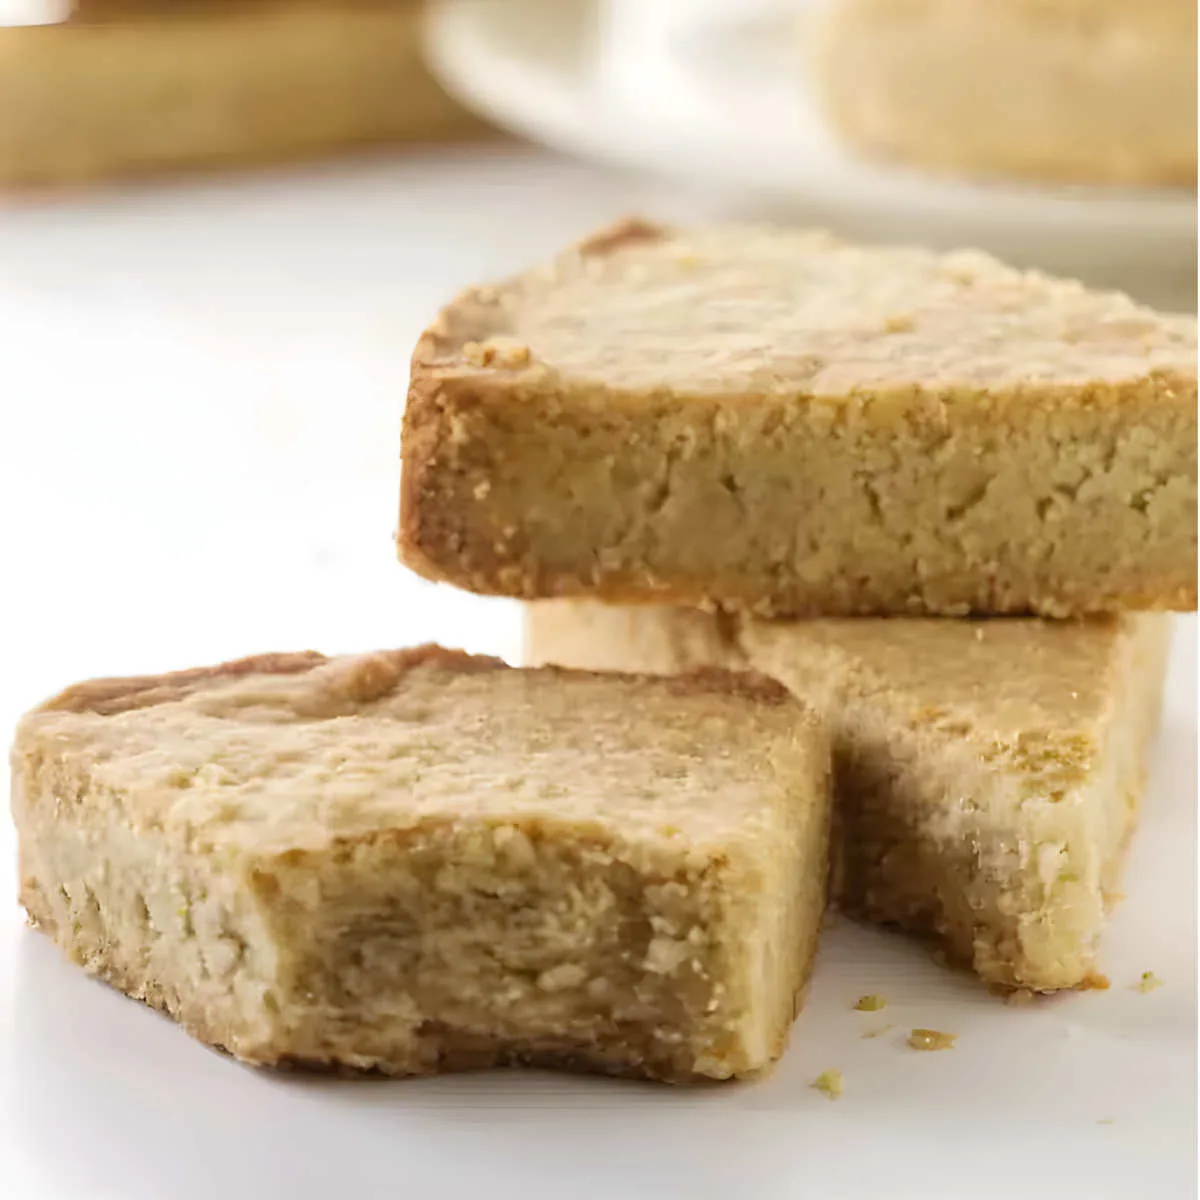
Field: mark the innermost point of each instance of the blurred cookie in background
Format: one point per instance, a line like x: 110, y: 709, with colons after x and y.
x: 130, y: 86
x: 1079, y: 91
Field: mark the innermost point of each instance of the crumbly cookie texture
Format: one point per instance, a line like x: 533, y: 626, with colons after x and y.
x: 123, y: 88
x: 979, y: 87
x: 778, y: 422
x: 987, y: 773
x: 419, y: 860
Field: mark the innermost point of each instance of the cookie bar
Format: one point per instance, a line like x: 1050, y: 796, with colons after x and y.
x: 779, y: 422
x: 420, y: 860
x: 1091, y: 91
x: 126, y: 89
x: 987, y: 773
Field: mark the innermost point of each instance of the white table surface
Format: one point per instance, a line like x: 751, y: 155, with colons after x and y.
x: 200, y: 389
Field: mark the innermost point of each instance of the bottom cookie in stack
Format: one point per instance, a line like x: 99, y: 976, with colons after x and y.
x: 988, y: 773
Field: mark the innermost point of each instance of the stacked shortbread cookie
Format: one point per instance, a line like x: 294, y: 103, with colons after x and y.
x: 791, y: 484
x: 779, y: 432
x: 1078, y: 91
x: 133, y: 86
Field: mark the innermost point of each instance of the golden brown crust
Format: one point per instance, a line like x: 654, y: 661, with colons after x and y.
x: 626, y: 232
x: 457, y: 1053
x: 1010, y: 445
x: 749, y: 685
x: 433, y: 545
x: 420, y: 435
x: 429, y: 552
x: 376, y: 675
x: 106, y: 697
x: 117, y: 694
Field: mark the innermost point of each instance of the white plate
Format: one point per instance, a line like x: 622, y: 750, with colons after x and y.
x: 727, y: 108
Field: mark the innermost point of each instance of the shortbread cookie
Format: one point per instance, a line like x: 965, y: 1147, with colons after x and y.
x: 779, y: 422
x: 987, y: 773
x: 1100, y: 91
x: 134, y: 88
x: 421, y: 860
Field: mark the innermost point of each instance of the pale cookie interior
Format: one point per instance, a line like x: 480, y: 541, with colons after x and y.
x: 407, y: 864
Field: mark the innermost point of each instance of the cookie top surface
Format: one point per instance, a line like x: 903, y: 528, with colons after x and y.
x: 295, y: 750
x: 758, y: 311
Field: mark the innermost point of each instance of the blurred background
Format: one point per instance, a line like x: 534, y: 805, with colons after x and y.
x: 1058, y: 133
x: 223, y: 224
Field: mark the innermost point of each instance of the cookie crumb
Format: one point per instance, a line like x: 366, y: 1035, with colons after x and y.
x: 1105, y: 1121
x: 1019, y: 998
x: 871, y: 1003
x: 496, y: 352
x: 899, y: 324
x: 1095, y: 982
x: 931, y: 1039
x: 1148, y: 982
x: 830, y: 1082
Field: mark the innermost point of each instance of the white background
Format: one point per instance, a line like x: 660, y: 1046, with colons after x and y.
x: 200, y: 388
